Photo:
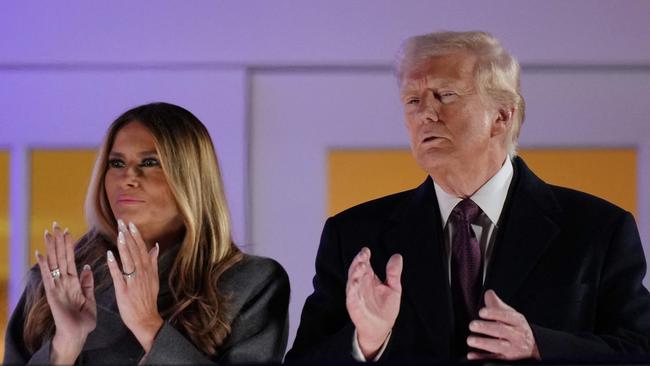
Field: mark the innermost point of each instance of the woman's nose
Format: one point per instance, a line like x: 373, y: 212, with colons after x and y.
x: 131, y: 177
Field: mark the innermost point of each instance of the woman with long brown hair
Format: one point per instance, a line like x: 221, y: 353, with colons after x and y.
x: 157, y: 278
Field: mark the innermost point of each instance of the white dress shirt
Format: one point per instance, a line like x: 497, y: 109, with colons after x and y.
x: 490, y: 198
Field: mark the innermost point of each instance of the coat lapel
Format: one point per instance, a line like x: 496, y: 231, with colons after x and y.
x: 110, y: 328
x: 525, y: 230
x: 416, y: 233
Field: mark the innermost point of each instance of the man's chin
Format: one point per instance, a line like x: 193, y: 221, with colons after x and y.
x: 433, y: 166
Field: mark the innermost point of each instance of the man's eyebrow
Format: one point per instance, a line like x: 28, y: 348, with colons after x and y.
x: 408, y: 89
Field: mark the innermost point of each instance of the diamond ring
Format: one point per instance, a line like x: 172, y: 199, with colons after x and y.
x: 129, y: 275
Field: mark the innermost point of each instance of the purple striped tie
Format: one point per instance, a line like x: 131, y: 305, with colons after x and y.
x: 466, y: 266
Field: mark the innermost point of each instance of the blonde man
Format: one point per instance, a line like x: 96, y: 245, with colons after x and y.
x: 483, y: 260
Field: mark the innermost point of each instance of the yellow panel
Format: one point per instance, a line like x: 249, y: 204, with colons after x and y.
x: 4, y: 215
x: 59, y: 183
x: 4, y: 244
x: 357, y: 176
x: 606, y: 173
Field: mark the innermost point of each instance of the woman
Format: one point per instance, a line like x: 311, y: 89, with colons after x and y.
x: 157, y: 278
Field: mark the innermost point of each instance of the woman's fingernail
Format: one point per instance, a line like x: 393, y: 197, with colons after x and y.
x: 120, y: 238
x: 86, y: 267
x: 120, y: 225
x: 54, y: 225
x: 46, y: 233
x: 132, y: 228
x: 37, y: 254
x: 65, y: 231
x: 110, y: 256
x: 157, y: 247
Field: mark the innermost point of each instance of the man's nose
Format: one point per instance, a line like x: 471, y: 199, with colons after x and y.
x: 429, y: 109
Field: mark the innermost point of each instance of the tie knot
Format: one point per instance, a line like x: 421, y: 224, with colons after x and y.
x: 466, y: 210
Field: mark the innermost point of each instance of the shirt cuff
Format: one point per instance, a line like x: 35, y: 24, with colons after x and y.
x: 356, y: 349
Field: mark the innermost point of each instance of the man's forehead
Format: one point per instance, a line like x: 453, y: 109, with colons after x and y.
x: 448, y: 68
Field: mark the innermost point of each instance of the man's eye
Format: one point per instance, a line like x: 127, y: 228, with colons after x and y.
x: 413, y: 101
x: 150, y: 162
x: 446, y: 96
x: 116, y: 163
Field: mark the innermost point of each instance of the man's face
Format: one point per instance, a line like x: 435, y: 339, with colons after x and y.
x: 450, y: 122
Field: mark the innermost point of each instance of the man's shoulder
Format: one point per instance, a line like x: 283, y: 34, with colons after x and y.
x: 571, y: 199
x: 377, y: 209
x: 571, y: 202
x: 583, y: 211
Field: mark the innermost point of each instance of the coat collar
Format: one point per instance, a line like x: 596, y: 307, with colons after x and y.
x: 415, y: 232
x: 526, y: 228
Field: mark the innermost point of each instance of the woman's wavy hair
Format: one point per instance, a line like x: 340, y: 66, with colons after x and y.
x: 190, y: 165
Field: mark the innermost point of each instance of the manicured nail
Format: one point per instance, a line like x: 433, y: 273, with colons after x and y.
x: 46, y: 233
x: 120, y: 225
x: 110, y: 256
x: 54, y: 225
x: 37, y: 254
x: 86, y: 267
x: 65, y: 231
x: 120, y: 238
x: 132, y: 228
x: 157, y: 247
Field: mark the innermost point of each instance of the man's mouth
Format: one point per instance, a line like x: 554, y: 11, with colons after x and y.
x: 430, y: 138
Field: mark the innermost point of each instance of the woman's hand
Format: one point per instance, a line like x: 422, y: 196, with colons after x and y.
x: 136, y: 285
x: 71, y: 297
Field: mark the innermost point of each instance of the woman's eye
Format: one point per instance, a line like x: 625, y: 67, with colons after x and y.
x: 116, y: 163
x: 149, y: 162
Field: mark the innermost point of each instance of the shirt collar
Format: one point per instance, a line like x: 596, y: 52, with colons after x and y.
x: 490, y: 197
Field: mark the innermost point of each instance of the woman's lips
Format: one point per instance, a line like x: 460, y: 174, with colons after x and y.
x: 127, y: 200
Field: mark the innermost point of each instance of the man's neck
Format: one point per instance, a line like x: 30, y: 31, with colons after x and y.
x: 465, y: 182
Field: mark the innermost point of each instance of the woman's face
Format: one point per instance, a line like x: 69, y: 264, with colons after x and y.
x: 136, y: 186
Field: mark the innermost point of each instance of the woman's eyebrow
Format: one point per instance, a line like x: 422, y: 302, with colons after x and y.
x: 142, y: 153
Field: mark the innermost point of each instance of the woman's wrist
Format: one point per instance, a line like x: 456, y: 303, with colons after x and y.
x: 146, y: 333
x: 66, y: 350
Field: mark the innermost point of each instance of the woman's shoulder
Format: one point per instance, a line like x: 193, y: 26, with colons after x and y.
x: 254, y: 269
x: 252, y: 272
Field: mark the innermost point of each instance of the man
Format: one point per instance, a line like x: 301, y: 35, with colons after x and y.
x: 483, y: 260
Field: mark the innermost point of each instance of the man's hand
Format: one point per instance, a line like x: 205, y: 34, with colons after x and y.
x: 509, y: 336
x: 373, y: 305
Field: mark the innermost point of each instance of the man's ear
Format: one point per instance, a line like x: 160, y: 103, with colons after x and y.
x: 503, y: 121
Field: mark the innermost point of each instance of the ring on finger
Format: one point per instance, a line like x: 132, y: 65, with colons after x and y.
x: 129, y: 275
x: 56, y: 273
